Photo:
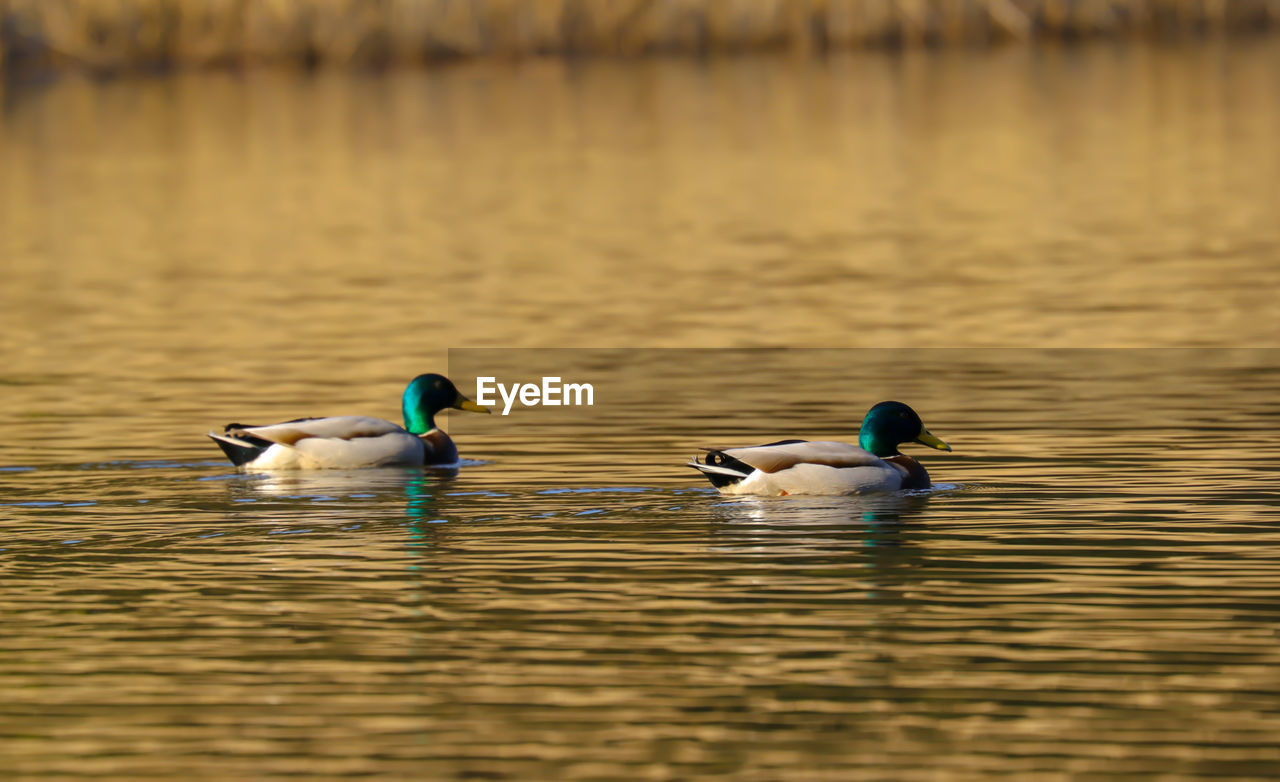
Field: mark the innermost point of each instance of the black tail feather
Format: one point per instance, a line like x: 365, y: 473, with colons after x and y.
x: 723, y: 462
x: 240, y: 446
x: 728, y: 470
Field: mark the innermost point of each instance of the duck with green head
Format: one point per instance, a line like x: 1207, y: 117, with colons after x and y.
x: 352, y: 442
x: 827, y: 467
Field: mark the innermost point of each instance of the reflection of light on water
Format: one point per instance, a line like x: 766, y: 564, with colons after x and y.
x: 347, y: 495
x: 419, y: 502
x: 782, y: 513
x: 598, y: 490
x: 875, y: 531
x: 330, y: 484
x: 1111, y: 593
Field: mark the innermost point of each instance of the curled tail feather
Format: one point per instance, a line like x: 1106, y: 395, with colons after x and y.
x: 721, y: 469
x: 240, y: 446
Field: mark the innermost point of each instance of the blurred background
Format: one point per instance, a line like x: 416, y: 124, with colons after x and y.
x: 254, y: 210
x: 214, y: 183
x: 332, y: 193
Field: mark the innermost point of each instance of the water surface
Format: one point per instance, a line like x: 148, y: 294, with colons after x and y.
x: 1091, y: 590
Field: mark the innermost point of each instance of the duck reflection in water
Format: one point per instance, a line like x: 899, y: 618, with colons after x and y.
x: 873, y: 539
x: 333, y: 484
x: 386, y: 495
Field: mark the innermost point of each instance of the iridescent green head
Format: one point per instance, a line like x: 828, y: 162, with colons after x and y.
x: 889, y: 424
x: 427, y: 395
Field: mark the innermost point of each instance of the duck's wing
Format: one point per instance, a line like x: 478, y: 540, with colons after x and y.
x: 341, y: 427
x: 786, y: 454
x: 339, y: 442
x: 798, y: 467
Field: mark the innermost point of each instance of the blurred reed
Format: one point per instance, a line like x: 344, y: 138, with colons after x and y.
x: 129, y: 34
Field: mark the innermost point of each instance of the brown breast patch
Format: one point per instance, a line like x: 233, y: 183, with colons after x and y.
x: 440, y: 448
x: 916, y: 477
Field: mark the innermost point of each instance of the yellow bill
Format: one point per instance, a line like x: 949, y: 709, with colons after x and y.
x: 933, y: 442
x: 466, y: 404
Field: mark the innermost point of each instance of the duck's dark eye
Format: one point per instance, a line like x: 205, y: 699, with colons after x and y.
x: 438, y: 384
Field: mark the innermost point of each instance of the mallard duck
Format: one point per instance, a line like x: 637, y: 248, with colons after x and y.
x: 825, y: 467
x: 352, y: 441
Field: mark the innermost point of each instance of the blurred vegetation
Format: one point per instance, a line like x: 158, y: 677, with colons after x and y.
x: 138, y: 34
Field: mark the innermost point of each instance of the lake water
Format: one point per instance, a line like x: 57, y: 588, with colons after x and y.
x: 1092, y: 590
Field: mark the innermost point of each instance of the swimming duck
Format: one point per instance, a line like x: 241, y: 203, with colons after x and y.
x: 351, y: 441
x: 825, y: 467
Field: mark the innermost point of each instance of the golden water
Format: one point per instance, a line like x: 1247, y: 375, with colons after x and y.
x: 1091, y: 592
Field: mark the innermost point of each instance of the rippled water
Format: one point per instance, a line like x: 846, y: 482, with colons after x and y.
x: 1092, y: 590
